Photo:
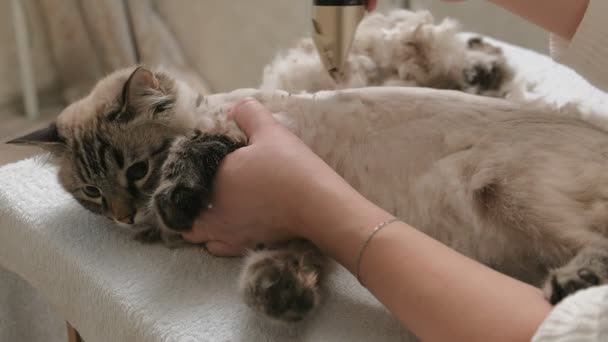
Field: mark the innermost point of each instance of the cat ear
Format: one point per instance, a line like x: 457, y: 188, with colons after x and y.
x: 141, y: 91
x: 47, y: 138
x: 141, y: 83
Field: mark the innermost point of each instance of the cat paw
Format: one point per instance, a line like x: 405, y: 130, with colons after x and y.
x: 280, y: 286
x: 178, y: 206
x: 186, y: 178
x: 565, y: 281
x: 484, y: 76
x: 488, y: 73
x: 475, y: 43
x: 479, y: 44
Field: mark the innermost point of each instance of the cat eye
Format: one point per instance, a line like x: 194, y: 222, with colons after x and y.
x: 91, y: 191
x: 137, y: 171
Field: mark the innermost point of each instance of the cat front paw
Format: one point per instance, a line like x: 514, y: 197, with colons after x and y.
x: 179, y: 205
x: 280, y: 285
x: 186, y: 178
x: 565, y: 281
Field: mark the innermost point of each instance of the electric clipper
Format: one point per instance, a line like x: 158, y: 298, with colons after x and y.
x: 334, y: 25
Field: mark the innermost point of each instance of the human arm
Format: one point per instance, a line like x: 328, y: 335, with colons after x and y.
x: 561, y: 17
x: 436, y: 292
x: 281, y: 190
x: 371, y: 5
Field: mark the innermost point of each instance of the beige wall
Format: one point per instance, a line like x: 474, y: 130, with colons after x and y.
x: 9, y: 71
x: 480, y: 16
x: 233, y: 40
x: 229, y: 42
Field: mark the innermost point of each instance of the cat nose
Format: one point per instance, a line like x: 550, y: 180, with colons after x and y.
x: 122, y: 210
x: 127, y: 219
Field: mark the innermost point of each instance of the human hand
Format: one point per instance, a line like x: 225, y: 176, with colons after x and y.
x: 262, y: 190
x: 371, y: 5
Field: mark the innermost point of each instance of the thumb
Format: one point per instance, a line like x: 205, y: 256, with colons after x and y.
x: 251, y: 116
x: 195, y: 236
x: 222, y: 249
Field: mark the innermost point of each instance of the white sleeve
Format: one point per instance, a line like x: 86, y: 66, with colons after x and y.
x: 582, y: 316
x: 587, y: 52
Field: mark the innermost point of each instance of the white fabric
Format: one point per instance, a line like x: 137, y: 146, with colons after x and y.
x: 545, y: 81
x: 581, y: 317
x: 113, y: 289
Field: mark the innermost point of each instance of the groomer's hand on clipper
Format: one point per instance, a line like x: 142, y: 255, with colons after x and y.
x: 561, y: 17
x: 371, y: 5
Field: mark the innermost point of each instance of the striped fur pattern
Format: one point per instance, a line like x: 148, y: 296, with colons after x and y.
x: 124, y: 154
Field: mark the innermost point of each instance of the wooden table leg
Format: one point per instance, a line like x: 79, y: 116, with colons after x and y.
x: 73, y: 335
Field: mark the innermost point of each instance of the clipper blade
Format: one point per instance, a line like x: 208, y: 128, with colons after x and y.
x: 334, y: 32
x: 336, y: 75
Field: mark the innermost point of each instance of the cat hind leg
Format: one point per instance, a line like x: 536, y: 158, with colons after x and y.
x: 588, y: 268
x: 283, y: 283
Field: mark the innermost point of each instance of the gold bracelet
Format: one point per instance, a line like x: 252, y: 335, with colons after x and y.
x: 366, y: 242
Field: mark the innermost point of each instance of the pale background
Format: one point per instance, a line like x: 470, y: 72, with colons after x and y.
x: 206, y: 29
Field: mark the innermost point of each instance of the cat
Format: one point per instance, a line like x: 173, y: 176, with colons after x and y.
x: 519, y: 189
x: 142, y: 149
x: 400, y: 48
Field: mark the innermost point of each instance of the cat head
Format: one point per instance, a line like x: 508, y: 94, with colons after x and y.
x: 110, y: 145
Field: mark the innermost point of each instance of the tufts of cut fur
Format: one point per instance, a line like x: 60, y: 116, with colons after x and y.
x: 401, y: 48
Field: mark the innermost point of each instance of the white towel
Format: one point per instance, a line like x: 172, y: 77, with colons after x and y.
x: 114, y: 289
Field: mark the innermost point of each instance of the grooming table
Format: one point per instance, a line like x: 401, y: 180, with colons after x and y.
x: 113, y: 289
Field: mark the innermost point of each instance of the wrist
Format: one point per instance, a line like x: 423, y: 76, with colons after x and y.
x: 337, y: 219
x: 321, y: 204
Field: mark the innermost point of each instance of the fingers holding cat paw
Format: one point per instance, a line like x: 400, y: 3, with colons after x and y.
x: 263, y: 193
x: 251, y: 116
x: 223, y: 249
x: 221, y: 237
x: 213, y: 245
